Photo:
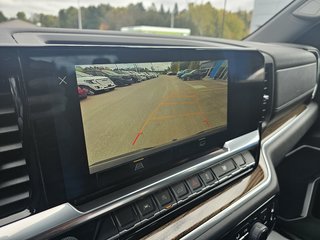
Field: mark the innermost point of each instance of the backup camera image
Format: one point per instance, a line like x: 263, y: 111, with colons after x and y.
x: 133, y: 107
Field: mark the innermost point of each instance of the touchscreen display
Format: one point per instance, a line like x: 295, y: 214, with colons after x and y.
x: 134, y: 107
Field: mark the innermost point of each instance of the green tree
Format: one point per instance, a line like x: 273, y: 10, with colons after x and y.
x: 234, y: 27
x: 21, y: 16
x: 175, y: 9
x: 208, y: 22
x: 183, y: 65
x: 92, y: 17
x: 203, y: 16
x: 45, y: 20
x: 161, y: 9
x: 136, y: 12
x: 103, y: 11
x: 2, y: 17
x: 183, y: 20
x: 174, y: 67
x: 68, y: 18
x: 119, y: 17
x: 152, y: 17
x: 194, y: 65
x: 246, y: 17
x: 203, y: 19
x: 153, y: 8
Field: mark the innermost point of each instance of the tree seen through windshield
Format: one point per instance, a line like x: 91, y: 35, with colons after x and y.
x: 202, y: 19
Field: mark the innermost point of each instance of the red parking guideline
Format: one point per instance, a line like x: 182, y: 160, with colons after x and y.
x: 136, y: 139
x: 206, y: 121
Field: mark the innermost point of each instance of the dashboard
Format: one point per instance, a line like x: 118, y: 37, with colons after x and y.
x: 119, y: 136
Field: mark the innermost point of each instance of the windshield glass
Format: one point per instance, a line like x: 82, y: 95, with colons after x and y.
x: 232, y: 19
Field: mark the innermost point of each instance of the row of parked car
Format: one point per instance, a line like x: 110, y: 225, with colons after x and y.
x: 93, y: 81
x: 218, y: 71
x: 189, y: 74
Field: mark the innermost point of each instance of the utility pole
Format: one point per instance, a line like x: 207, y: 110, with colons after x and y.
x: 79, y: 16
x: 223, y: 16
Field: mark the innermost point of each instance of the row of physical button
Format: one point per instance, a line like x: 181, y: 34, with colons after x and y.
x: 145, y: 208
x: 128, y: 216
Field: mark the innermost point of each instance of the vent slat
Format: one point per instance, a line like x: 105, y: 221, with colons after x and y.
x: 10, y: 147
x: 12, y: 164
x: 5, y: 111
x: 9, y: 129
x: 15, y: 181
x: 16, y: 198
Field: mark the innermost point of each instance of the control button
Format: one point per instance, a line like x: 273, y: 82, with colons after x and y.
x: 242, y: 233
x: 164, y: 198
x: 254, y: 219
x: 194, y: 183
x: 245, y: 230
x: 146, y: 207
x: 180, y: 190
x: 224, y: 168
x: 62, y: 80
x: 207, y: 177
x: 107, y: 228
x: 238, y: 236
x: 264, y: 215
x: 258, y: 232
x: 126, y: 217
x: 239, y: 160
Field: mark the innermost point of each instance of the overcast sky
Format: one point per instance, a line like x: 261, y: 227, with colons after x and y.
x: 11, y: 7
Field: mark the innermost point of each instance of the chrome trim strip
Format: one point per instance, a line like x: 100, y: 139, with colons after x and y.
x: 29, y: 227
x: 47, y: 223
x: 239, y: 203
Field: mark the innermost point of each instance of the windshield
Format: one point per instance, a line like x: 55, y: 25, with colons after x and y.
x: 232, y: 19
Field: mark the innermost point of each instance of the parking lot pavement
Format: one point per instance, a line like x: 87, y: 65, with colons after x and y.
x: 151, y: 113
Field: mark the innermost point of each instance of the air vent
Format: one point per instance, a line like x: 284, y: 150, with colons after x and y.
x: 14, y: 177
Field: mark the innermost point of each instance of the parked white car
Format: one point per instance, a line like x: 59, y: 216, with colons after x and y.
x: 94, y: 84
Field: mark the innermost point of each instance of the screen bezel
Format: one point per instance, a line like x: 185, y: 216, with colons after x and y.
x: 245, y: 81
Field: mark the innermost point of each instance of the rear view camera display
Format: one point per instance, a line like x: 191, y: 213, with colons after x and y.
x: 134, y: 107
